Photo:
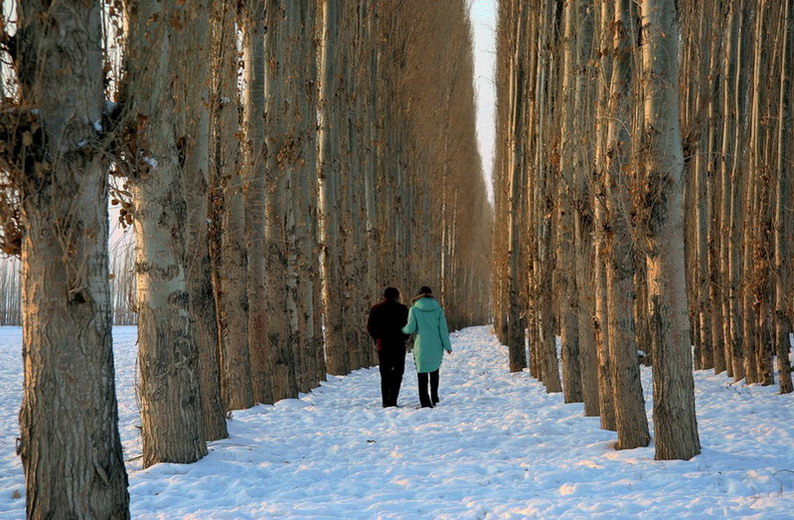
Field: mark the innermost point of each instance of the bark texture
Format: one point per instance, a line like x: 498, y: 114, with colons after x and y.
x: 167, y: 355
x: 673, y: 385
x: 69, y: 440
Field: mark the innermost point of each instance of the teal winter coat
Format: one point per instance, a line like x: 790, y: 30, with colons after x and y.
x: 426, y: 319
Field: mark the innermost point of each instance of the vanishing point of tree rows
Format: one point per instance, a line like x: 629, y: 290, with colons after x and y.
x: 278, y: 162
x: 644, y: 201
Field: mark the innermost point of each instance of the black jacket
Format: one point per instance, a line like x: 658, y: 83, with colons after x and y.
x: 385, y: 321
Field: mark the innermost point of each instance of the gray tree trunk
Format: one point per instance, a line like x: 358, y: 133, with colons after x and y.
x: 783, y: 196
x: 329, y: 168
x: 264, y: 324
x: 69, y: 440
x: 193, y: 131
x: 516, y: 324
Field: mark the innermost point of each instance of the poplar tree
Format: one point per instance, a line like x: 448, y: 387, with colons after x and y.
x: 675, y: 424
x: 167, y: 354
x: 55, y: 143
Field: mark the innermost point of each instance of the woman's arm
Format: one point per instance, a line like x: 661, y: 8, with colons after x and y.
x: 443, y: 331
x: 410, y: 327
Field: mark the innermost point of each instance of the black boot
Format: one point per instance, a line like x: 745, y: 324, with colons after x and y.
x: 434, y: 386
x: 424, y: 399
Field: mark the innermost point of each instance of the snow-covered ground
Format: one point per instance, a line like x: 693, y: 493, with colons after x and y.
x: 497, y: 446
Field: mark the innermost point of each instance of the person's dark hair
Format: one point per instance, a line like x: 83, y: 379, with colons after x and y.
x: 391, y: 293
x: 425, y: 290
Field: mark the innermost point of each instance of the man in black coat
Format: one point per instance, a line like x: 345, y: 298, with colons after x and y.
x: 385, y: 321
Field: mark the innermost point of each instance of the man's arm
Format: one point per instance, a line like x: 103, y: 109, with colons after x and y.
x: 372, y: 324
x: 404, y: 319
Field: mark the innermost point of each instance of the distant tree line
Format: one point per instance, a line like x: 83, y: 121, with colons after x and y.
x: 644, y: 202
x: 279, y: 163
x: 122, y: 289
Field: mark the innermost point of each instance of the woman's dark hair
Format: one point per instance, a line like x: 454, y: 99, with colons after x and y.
x: 391, y: 293
x: 425, y: 290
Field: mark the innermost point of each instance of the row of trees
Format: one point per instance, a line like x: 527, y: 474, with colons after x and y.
x: 10, y: 293
x: 325, y: 150
x: 737, y: 110
x: 590, y: 179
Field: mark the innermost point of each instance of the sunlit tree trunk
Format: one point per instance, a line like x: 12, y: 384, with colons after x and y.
x: 565, y: 260
x: 585, y: 97
x: 167, y: 355
x: 738, y: 220
x: 713, y: 235
x: 236, y: 353
x: 600, y: 316
x: 674, y: 399
x: 193, y: 139
x: 550, y: 367
x: 69, y: 440
x: 631, y: 422
x: 729, y: 130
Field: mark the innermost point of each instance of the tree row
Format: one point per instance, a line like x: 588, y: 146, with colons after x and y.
x: 590, y: 181
x: 278, y: 162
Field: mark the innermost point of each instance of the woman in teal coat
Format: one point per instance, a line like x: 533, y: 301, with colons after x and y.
x: 426, y: 319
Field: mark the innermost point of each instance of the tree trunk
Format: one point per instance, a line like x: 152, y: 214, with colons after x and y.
x: 69, y: 445
x: 265, y: 298
x: 631, y: 422
x: 193, y: 131
x: 600, y: 317
x: 236, y: 351
x: 548, y: 347
x: 713, y: 196
x: 674, y: 399
x: 583, y: 220
x: 729, y: 130
x: 167, y: 355
x: 739, y: 178
x: 566, y: 262
x: 330, y: 179
x: 751, y: 207
x: 783, y: 197
x: 515, y: 171
x: 298, y: 52
x: 700, y: 257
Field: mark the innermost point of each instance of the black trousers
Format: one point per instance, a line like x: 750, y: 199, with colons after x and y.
x: 424, y: 400
x: 392, y: 367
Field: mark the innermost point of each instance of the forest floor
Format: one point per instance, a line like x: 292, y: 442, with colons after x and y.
x: 497, y: 446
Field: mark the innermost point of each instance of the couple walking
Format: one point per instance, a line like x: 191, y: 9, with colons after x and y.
x: 390, y: 322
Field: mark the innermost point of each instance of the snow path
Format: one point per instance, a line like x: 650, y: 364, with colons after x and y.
x: 497, y: 446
